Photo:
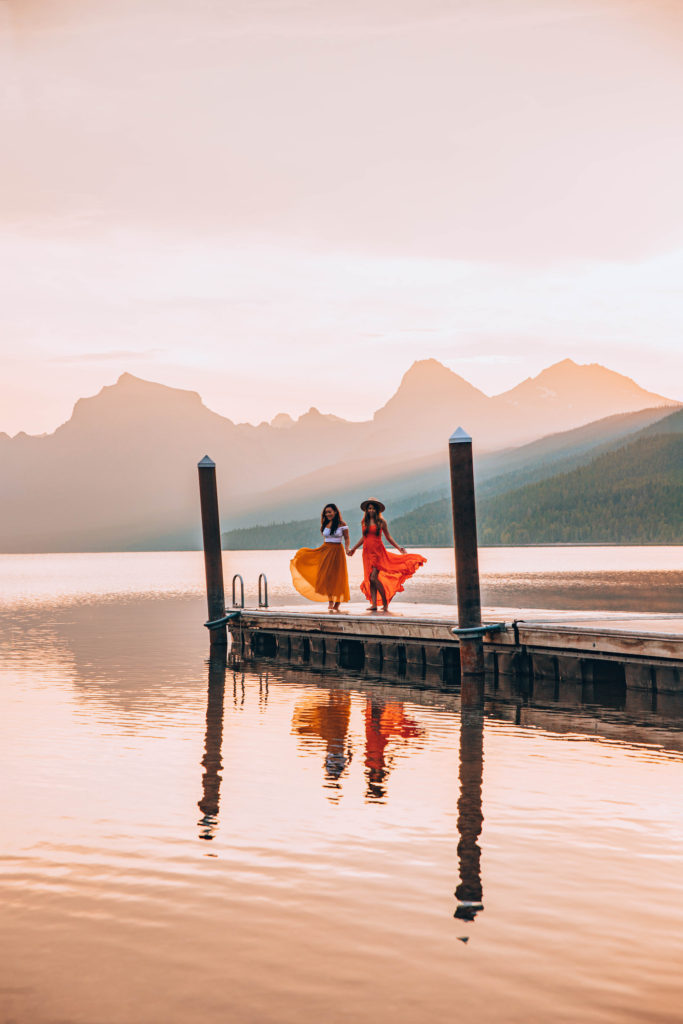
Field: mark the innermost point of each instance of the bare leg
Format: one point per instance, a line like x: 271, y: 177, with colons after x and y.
x: 373, y: 590
x: 383, y: 595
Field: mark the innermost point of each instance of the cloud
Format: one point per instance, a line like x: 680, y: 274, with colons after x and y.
x: 443, y: 129
x: 105, y: 357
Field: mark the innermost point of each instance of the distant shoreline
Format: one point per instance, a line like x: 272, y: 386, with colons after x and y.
x: 425, y: 547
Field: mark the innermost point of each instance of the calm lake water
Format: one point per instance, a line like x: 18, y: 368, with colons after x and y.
x: 181, y: 842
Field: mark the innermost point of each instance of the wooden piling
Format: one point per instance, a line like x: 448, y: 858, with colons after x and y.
x: 466, y: 551
x: 213, y: 556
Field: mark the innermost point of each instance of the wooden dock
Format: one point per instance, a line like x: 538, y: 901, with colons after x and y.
x: 444, y: 644
x: 638, y: 651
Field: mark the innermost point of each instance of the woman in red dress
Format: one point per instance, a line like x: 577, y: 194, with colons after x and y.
x: 384, y: 572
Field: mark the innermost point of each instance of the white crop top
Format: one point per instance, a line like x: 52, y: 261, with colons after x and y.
x: 334, y: 538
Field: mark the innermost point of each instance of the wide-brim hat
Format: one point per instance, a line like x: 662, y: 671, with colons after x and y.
x: 379, y: 505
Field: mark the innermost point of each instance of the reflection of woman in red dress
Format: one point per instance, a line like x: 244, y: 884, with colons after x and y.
x: 383, y: 723
x: 384, y: 572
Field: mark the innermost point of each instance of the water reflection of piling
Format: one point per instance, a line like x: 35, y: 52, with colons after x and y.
x: 211, y: 762
x: 470, y: 817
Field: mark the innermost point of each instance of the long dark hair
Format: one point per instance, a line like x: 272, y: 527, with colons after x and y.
x: 336, y: 521
x: 378, y: 519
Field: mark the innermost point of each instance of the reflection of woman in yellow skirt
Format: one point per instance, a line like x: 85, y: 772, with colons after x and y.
x: 320, y: 573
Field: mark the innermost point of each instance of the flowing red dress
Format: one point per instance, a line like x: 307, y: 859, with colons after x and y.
x: 393, y: 569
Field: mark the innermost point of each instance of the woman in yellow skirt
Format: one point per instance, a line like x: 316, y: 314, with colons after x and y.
x: 320, y: 574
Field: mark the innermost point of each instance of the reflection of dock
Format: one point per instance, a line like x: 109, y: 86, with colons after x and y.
x: 632, y: 717
x: 637, y: 652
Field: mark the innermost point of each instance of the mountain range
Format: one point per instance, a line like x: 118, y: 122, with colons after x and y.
x: 619, y: 480
x: 121, y: 472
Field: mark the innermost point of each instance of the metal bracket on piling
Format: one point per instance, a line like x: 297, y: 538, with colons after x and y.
x: 263, y: 599
x: 234, y: 598
x: 472, y: 632
x: 217, y: 623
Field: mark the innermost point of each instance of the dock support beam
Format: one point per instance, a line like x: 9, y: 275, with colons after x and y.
x: 213, y: 556
x: 466, y: 553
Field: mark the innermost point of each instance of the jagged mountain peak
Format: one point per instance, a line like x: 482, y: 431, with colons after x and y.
x: 432, y: 372
x: 568, y: 370
x: 128, y: 383
x: 566, y: 364
x: 428, y: 382
x: 130, y: 390
x: 283, y: 421
x: 568, y: 380
x: 314, y: 416
x: 137, y: 404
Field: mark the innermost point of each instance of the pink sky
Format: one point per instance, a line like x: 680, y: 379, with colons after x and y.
x: 281, y: 204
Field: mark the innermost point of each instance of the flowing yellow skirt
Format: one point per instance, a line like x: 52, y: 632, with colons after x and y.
x: 320, y: 574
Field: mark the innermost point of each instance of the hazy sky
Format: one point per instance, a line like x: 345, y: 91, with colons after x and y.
x: 280, y: 203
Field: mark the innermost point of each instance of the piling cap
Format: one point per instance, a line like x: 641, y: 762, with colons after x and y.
x: 459, y: 436
x: 206, y: 463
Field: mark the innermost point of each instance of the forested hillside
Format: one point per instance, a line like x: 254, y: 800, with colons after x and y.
x: 301, y: 533
x: 630, y: 496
